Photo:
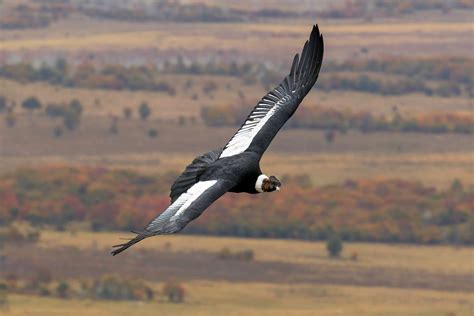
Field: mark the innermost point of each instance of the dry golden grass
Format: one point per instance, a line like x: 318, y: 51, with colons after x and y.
x: 250, y: 298
x: 437, y: 170
x: 435, y: 259
x: 210, y: 32
x: 168, y: 107
x: 323, y: 169
x: 432, y: 159
x: 283, y: 36
x: 222, y: 298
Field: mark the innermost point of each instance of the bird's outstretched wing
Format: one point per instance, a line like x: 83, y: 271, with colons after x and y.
x: 188, y: 206
x: 275, y: 108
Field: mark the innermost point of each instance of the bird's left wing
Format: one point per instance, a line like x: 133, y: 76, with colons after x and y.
x: 278, y: 105
x: 188, y: 206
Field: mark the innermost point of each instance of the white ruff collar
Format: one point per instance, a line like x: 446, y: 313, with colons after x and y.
x: 259, y: 183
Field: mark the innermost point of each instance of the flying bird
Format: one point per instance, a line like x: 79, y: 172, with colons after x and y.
x: 236, y: 166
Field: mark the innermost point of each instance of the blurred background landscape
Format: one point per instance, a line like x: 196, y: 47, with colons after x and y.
x: 104, y: 102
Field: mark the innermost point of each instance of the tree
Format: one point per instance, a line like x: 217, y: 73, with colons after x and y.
x: 152, y: 133
x: 3, y: 104
x: 31, y: 104
x: 456, y: 185
x: 334, y: 245
x: 71, y: 120
x: 113, y: 129
x: 76, y: 106
x: 3, y: 296
x: 329, y: 136
x: 58, y: 131
x: 144, y: 110
x: 72, y: 114
x: 127, y: 113
x: 10, y: 120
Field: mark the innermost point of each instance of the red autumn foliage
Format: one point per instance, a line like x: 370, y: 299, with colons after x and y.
x: 366, y: 210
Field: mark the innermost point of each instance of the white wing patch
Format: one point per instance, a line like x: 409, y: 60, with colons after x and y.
x: 257, y: 119
x: 181, y: 204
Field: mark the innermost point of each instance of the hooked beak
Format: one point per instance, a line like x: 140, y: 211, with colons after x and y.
x: 278, y: 188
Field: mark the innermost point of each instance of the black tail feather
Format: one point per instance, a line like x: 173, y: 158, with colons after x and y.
x: 131, y: 242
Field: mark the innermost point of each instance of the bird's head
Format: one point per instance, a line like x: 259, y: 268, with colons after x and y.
x: 267, y: 184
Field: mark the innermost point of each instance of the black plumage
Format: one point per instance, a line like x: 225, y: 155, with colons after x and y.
x: 236, y: 166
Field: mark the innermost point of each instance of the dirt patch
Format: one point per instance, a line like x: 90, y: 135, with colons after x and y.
x: 69, y: 262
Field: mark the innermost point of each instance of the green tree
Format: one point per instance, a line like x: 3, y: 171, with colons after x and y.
x: 152, y: 133
x: 30, y: 104
x: 144, y: 110
x: 76, y: 106
x: 334, y: 245
x: 3, y: 104
x: 3, y: 296
x: 329, y: 136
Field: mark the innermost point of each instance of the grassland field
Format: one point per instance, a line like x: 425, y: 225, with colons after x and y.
x: 433, y: 159
x: 286, y: 277
x: 231, y: 293
x: 166, y: 107
x: 433, y: 36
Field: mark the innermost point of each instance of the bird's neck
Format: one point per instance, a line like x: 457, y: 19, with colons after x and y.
x: 259, y: 183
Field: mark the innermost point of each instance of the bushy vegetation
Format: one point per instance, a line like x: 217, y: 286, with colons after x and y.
x: 70, y: 113
x: 15, y: 235
x: 112, y: 287
x: 174, y: 291
x: 40, y: 13
x: 241, y: 255
x: 103, y: 287
x: 331, y: 119
x: 334, y: 245
x: 384, y: 8
x: 114, y: 77
x: 33, y: 14
x: 364, y: 210
x: 453, y: 74
x: 443, y: 76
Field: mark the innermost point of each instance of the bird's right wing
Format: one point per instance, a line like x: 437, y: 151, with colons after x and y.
x: 275, y: 108
x: 188, y: 206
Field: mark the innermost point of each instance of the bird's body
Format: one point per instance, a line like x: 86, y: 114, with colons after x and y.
x: 243, y: 169
x: 236, y: 166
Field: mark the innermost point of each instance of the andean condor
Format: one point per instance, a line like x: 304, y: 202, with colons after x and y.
x: 236, y: 166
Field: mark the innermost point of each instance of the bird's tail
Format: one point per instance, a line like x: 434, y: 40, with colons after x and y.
x: 121, y: 247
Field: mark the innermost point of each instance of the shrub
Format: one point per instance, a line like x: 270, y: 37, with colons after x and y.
x: 329, y: 136
x: 114, y: 129
x: 3, y: 295
x: 152, y: 133
x: 144, y: 111
x: 63, y: 289
x: 174, y: 291
x: 111, y: 287
x: 3, y: 104
x: 43, y: 290
x: 127, y: 113
x: 42, y: 277
x: 10, y: 120
x: 334, y: 245
x: 243, y: 255
x: 31, y: 104
x: 58, y: 131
